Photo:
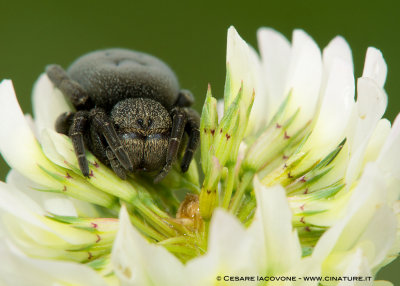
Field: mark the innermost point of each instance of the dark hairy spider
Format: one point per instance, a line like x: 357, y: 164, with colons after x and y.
x: 130, y: 112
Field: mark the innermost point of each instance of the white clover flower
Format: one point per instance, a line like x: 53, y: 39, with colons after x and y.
x: 300, y: 180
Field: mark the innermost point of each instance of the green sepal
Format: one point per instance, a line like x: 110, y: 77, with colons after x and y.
x: 208, y: 127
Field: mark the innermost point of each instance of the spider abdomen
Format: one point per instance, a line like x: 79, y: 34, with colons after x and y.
x: 109, y: 76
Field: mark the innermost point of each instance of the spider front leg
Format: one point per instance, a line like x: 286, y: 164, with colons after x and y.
x: 76, y: 131
x: 185, y: 98
x: 70, y: 88
x: 115, y: 164
x: 179, y: 119
x: 104, y: 126
x: 192, y: 128
x: 64, y: 122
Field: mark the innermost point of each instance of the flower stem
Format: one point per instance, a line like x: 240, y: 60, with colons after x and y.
x: 237, y: 198
x: 181, y: 250
x: 174, y: 240
x: 145, y: 229
x: 206, y: 231
x: 157, y: 211
x: 229, y: 186
x: 179, y: 227
x: 246, y: 212
x: 154, y: 219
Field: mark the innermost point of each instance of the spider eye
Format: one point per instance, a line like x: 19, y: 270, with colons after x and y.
x: 149, y: 122
x: 140, y: 122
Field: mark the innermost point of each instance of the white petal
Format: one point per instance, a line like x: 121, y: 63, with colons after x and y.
x: 56, y: 150
x: 229, y: 241
x: 274, y: 226
x: 367, y: 197
x: 371, y: 100
x: 85, y: 209
x: 25, y: 271
x: 18, y: 145
x: 137, y: 262
x: 377, y: 141
x: 220, y: 109
x: 379, y: 236
x: 25, y: 221
x: 16, y: 133
x: 390, y: 154
x: 338, y: 48
x: 304, y: 75
x: 48, y: 103
x: 364, y: 240
x: 31, y: 124
x: 338, y: 89
x: 370, y: 107
x: 357, y: 266
x: 307, y: 266
x: 53, y: 203
x: 375, y: 66
x: 13, y: 201
x: 275, y: 55
x: 243, y: 64
x: 336, y: 108
x: 230, y: 249
x: 260, y: 109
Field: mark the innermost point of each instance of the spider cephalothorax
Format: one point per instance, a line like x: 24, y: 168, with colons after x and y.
x: 130, y: 112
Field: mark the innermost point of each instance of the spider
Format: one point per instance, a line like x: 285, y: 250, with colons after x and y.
x: 130, y: 112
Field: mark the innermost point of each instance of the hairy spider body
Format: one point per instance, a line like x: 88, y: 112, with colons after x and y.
x: 130, y: 112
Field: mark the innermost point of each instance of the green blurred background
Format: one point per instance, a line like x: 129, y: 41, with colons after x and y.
x: 189, y: 36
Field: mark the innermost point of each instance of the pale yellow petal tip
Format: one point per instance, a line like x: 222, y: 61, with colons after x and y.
x: 42, y: 79
x: 268, y: 30
x: 7, y: 95
x: 302, y: 36
x: 269, y: 39
x: 6, y: 83
x: 123, y: 215
x: 338, y: 48
x: 339, y: 41
x: 232, y: 32
x: 375, y: 66
x: 42, y: 84
x: 234, y: 42
x: 48, y: 103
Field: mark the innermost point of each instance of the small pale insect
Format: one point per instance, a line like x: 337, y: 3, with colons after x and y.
x: 129, y: 112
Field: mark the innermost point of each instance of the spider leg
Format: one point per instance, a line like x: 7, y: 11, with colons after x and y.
x: 185, y: 98
x: 179, y: 119
x: 192, y: 128
x: 64, y: 122
x: 115, y: 164
x: 76, y: 132
x: 70, y: 88
x: 103, y: 124
x: 98, y: 144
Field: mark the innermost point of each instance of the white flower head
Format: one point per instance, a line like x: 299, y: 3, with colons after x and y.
x: 300, y: 179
